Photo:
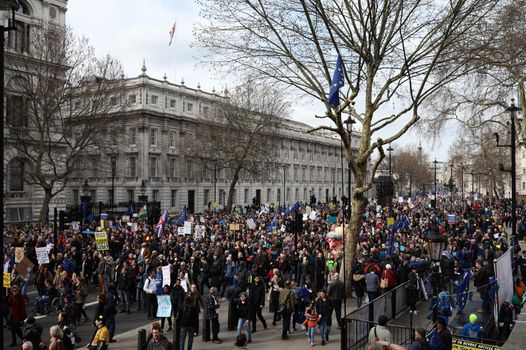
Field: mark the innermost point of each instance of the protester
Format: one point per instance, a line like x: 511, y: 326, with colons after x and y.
x: 336, y: 293
x: 157, y: 341
x: 287, y: 299
x: 188, y: 318
x: 471, y: 330
x: 256, y: 299
x: 101, y: 338
x: 16, y: 305
x: 33, y: 333
x: 311, y: 321
x: 212, y: 304
x: 324, y: 310
x: 380, y: 333
x: 56, y: 342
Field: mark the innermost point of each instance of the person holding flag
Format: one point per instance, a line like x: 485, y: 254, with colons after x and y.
x: 161, y: 224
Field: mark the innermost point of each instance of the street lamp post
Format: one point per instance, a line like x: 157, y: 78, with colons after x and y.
x: 472, y: 182
x: 349, y: 122
x: 113, y: 170
x: 85, y: 199
x: 436, y: 194
x: 391, y: 186
x: 9, y: 6
x: 284, y: 179
x: 451, y: 179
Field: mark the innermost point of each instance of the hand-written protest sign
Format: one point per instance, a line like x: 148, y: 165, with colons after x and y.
x: 166, y: 275
x: 101, y: 240
x: 199, y: 231
x: 19, y: 254
x: 164, y: 306
x: 234, y: 227
x: 180, y: 231
x: 24, y: 267
x: 7, y: 280
x: 187, y: 227
x: 390, y: 221
x: 42, y: 255
x: 251, y: 224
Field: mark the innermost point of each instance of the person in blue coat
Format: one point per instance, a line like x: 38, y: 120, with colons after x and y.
x: 472, y: 329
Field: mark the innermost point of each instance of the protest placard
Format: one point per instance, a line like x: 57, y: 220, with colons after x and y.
x: 251, y: 224
x: 164, y: 306
x: 19, y: 254
x: 166, y: 275
x: 312, y: 215
x: 24, y: 267
x: 187, y: 227
x: 7, y: 280
x: 101, y: 241
x: 42, y: 255
x: 180, y: 231
x: 234, y: 227
x: 199, y: 231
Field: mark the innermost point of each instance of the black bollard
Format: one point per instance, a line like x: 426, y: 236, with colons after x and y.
x: 141, y: 339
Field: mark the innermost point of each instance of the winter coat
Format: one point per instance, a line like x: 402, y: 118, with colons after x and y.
x: 256, y: 296
x: 211, y: 307
x: 336, y: 290
x: 17, y: 309
x: 189, y: 317
x: 81, y: 293
x: 33, y: 333
x: 160, y: 345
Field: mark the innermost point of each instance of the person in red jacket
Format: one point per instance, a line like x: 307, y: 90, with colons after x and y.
x: 17, y: 313
x: 391, y: 278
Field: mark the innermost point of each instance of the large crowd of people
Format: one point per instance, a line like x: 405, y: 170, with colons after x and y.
x: 296, y: 275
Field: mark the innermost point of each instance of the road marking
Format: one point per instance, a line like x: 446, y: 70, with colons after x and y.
x: 85, y: 305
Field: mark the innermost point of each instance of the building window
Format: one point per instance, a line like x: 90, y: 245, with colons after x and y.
x: 155, y: 195
x: 206, y: 197
x: 53, y: 12
x: 189, y: 169
x: 172, y: 103
x: 189, y: 107
x: 16, y: 111
x: 132, y: 99
x: 154, y: 99
x: 288, y: 195
x: 304, y: 194
x: 18, y: 39
x: 206, y: 111
x: 131, y: 195
x: 153, y: 137
x: 296, y: 194
x: 173, y: 199
x: 153, y: 166
x: 93, y: 195
x: 268, y: 195
x: 524, y: 185
x: 279, y: 195
x: 173, y: 168
x: 172, y: 139
x: 75, y: 197
x: 110, y: 196
x: 132, y: 166
x: 133, y: 136
x: 245, y: 196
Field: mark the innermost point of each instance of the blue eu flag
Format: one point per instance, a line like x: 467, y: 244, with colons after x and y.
x: 337, y: 83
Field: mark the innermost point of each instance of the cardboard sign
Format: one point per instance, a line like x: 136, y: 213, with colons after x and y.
x: 19, y: 254
x: 166, y: 275
x: 180, y: 231
x: 7, y: 280
x: 24, y: 267
x: 234, y: 227
x: 42, y: 256
x: 187, y: 227
x: 101, y: 241
x: 199, y: 231
x: 251, y: 224
x: 164, y: 306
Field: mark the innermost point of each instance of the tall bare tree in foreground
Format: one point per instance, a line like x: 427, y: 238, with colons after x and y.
x: 243, y: 134
x: 391, y: 50
x: 62, y: 101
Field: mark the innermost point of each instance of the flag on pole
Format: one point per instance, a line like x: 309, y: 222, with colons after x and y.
x: 337, y: 83
x: 182, y: 217
x: 143, y: 211
x: 273, y: 223
x: 172, y: 33
x: 162, y: 222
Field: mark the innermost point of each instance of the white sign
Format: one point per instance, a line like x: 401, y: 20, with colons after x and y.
x: 180, y: 231
x: 251, y: 224
x: 125, y: 218
x: 75, y: 225
x: 312, y: 215
x: 283, y: 228
x: 187, y: 227
x: 199, y: 231
x: 166, y: 275
x: 42, y: 255
x: 400, y: 199
x: 308, y: 210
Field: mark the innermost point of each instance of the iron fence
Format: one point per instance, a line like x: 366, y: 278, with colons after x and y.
x: 355, y: 334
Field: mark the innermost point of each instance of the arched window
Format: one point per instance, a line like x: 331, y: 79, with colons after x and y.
x: 16, y: 175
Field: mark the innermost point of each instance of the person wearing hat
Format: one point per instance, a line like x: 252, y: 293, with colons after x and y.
x: 101, y: 338
x: 472, y: 329
x: 441, y: 339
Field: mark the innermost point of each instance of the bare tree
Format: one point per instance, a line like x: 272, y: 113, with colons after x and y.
x: 61, y: 101
x: 500, y: 74
x: 411, y: 168
x: 243, y: 134
x: 391, y: 50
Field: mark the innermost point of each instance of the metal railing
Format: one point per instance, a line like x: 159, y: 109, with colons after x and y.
x: 355, y: 334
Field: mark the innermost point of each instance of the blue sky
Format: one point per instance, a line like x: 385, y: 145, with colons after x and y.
x: 133, y: 30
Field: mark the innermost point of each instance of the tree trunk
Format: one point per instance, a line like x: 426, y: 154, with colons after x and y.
x: 233, y: 183
x: 359, y: 203
x: 45, y: 206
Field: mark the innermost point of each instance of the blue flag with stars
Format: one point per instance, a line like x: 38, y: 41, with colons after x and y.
x: 337, y: 83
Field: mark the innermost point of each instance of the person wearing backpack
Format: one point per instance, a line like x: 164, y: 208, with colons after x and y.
x: 287, y: 300
x: 69, y: 335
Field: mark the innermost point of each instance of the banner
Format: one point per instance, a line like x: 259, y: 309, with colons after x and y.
x: 101, y: 241
x: 164, y: 306
x: 7, y: 280
x: 19, y: 254
x: 199, y: 231
x: 42, y: 256
x: 463, y: 344
x: 166, y: 275
x: 504, y: 277
x: 187, y: 227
